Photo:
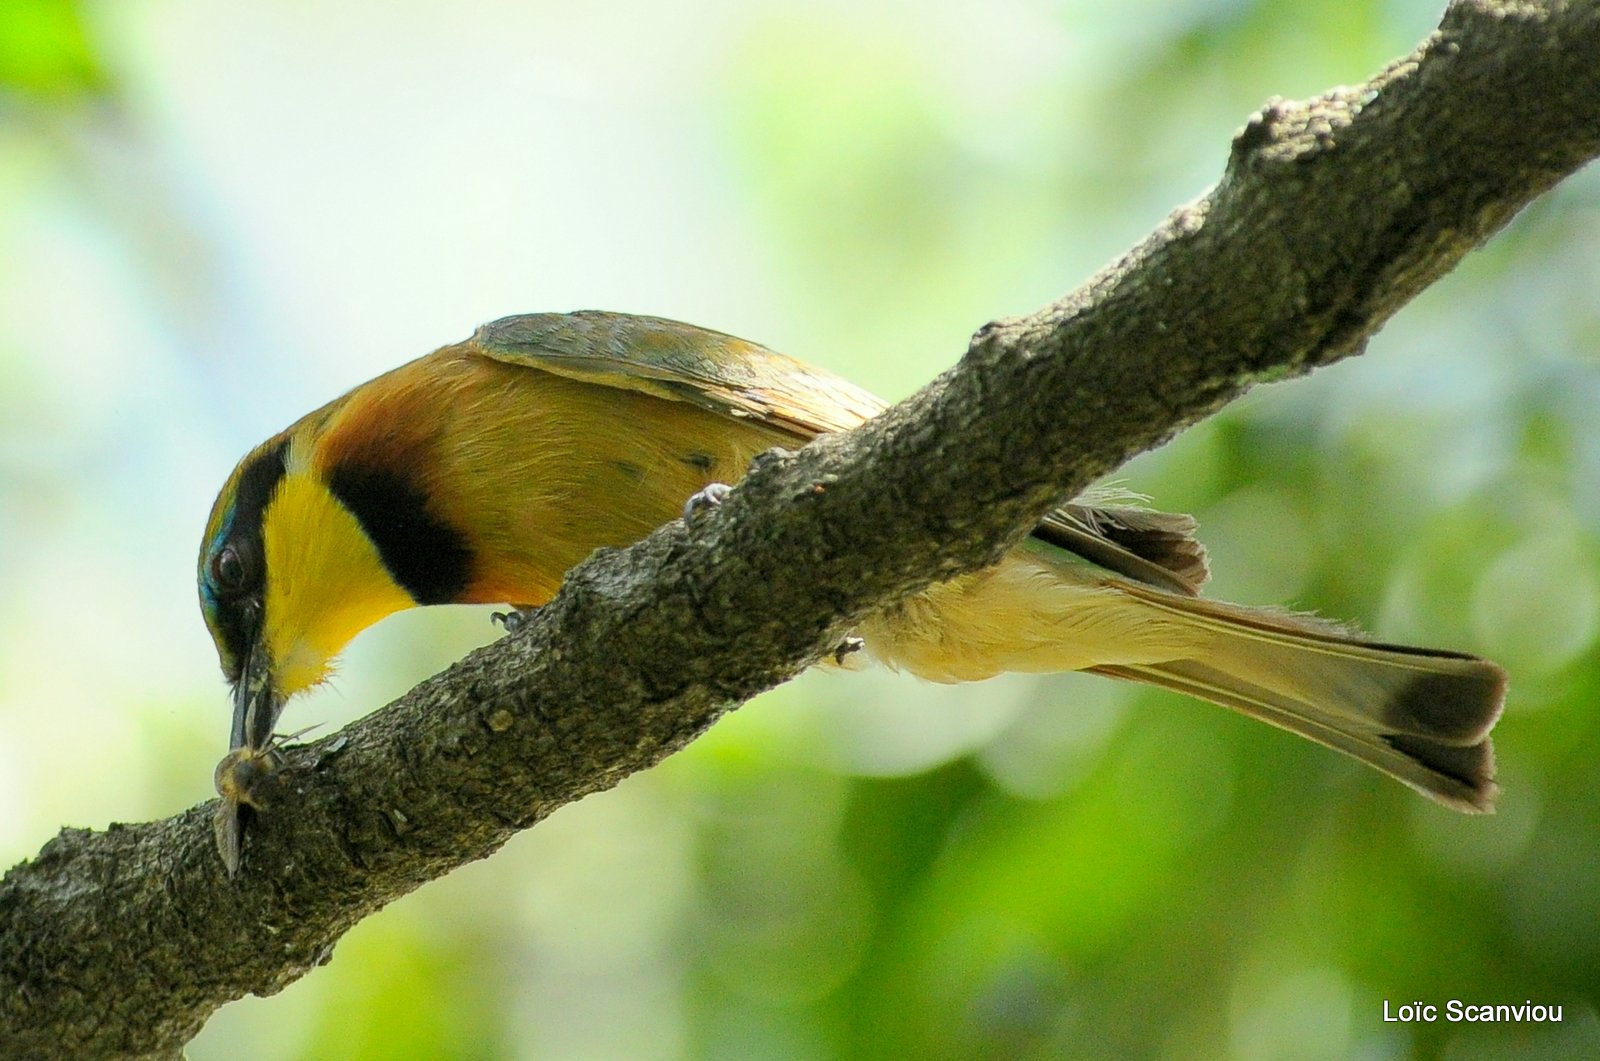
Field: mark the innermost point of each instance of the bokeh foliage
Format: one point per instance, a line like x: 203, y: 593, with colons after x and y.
x: 209, y: 221
x: 43, y: 51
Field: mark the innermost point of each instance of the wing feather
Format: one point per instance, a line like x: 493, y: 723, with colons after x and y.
x: 733, y: 377
x: 681, y: 362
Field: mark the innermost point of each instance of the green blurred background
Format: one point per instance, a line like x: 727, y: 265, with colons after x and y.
x: 215, y: 216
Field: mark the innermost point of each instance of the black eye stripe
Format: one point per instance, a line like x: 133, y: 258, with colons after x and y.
x: 256, y: 485
x: 237, y: 614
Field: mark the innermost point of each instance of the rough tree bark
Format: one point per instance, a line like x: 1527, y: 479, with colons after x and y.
x: 1331, y: 214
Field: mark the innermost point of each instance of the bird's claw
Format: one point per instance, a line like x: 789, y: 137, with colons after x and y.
x: 513, y: 620
x: 708, y: 497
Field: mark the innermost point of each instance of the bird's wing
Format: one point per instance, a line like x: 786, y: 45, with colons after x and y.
x: 1156, y: 548
x: 727, y: 375
x: 682, y: 363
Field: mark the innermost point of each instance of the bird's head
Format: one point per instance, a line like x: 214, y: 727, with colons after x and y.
x: 288, y: 574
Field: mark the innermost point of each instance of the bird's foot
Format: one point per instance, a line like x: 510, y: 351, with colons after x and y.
x: 515, y: 619
x: 704, y: 499
x: 847, y: 648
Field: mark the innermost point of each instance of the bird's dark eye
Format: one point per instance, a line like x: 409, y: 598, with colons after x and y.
x: 228, y: 570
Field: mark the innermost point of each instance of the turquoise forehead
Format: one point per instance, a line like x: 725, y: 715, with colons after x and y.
x: 208, y: 587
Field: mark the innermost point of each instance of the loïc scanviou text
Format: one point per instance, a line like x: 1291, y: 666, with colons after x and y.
x: 1456, y: 1011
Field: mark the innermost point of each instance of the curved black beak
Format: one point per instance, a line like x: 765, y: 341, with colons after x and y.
x: 256, y: 704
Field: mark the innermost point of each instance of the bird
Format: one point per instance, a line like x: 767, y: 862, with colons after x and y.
x: 481, y: 472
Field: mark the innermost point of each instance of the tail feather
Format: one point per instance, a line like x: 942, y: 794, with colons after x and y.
x: 1459, y: 776
x: 1421, y: 716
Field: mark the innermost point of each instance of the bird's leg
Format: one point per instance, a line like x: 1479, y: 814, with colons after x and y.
x: 515, y: 619
x: 846, y: 648
x: 708, y: 497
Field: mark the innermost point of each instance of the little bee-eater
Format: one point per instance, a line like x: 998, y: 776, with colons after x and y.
x: 483, y: 471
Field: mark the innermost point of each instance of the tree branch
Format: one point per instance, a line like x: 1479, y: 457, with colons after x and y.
x: 1330, y: 216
